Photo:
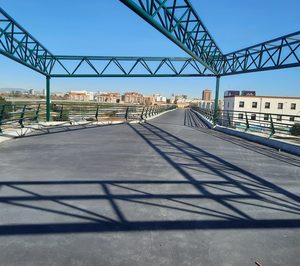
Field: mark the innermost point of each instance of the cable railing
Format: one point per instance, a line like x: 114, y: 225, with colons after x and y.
x: 267, y: 123
x: 22, y: 115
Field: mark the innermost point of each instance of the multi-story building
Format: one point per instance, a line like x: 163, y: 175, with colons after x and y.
x: 285, y: 109
x: 206, y: 104
x: 133, y: 97
x: 206, y: 95
x: 180, y: 99
x: 159, y: 99
x: 108, y: 97
x: 80, y: 96
x: 149, y: 100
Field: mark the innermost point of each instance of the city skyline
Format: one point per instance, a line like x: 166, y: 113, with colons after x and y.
x: 140, y: 39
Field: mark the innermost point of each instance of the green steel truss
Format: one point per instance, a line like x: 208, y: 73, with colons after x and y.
x: 103, y: 66
x: 283, y: 52
x: 178, y: 21
x: 19, y: 45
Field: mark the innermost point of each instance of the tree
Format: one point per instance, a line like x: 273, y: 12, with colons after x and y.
x: 2, y: 101
x: 4, y: 109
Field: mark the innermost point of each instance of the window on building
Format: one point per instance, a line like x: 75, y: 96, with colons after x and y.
x: 267, y: 105
x: 279, y: 117
x: 266, y: 117
x: 254, y: 104
x: 253, y: 117
x: 280, y: 105
x: 292, y: 118
x: 228, y: 104
x: 242, y: 104
x: 241, y: 116
x: 293, y: 106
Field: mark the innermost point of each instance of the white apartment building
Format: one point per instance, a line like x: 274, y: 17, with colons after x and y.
x: 80, y: 96
x: 159, y: 99
x: 282, y: 109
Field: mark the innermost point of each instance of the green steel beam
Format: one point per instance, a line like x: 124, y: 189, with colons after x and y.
x: 48, y: 99
x: 216, y: 110
x: 19, y: 45
x: 279, y: 53
x: 179, y: 22
x: 122, y: 66
x: 187, y: 30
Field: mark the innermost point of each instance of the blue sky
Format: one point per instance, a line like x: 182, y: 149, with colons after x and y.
x: 107, y: 27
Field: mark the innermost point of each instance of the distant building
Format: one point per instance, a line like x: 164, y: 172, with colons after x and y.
x: 80, y: 96
x: 148, y: 100
x: 31, y: 92
x: 159, y: 99
x: 108, y: 97
x: 59, y: 96
x: 133, y: 98
x: 206, y: 95
x: 209, y: 105
x: 180, y: 99
x: 281, y: 108
x: 172, y: 100
x: 231, y: 93
x: 248, y: 93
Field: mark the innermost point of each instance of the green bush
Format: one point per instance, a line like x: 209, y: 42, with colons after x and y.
x: 295, y: 130
x: 7, y: 109
x: 64, y: 117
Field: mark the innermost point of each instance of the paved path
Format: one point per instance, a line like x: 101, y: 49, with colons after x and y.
x: 167, y: 192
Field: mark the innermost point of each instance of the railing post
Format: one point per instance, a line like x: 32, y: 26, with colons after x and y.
x: 2, y: 118
x: 22, y: 116
x: 149, y: 111
x: 272, y: 127
x: 48, y: 98
x: 142, y: 114
x: 97, y: 113
x: 247, y: 122
x: 216, y: 111
x: 61, y: 112
x: 36, y: 118
x: 126, y: 113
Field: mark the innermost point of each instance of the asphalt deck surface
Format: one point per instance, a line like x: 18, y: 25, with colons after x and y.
x: 166, y: 192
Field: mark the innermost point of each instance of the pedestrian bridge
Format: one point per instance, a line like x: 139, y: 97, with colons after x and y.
x: 169, y: 191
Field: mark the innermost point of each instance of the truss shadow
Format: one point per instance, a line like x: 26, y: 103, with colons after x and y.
x: 211, y: 194
x: 194, y: 121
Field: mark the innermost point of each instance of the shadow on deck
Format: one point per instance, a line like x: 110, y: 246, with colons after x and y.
x: 237, y: 193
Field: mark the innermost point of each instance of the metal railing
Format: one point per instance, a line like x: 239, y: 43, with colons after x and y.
x: 18, y: 114
x: 267, y: 123
x: 15, y: 115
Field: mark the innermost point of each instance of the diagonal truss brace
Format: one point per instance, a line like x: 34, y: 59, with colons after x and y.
x: 282, y: 52
x: 17, y: 44
x: 103, y: 66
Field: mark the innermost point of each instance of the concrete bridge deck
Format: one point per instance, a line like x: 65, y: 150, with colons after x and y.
x: 166, y: 192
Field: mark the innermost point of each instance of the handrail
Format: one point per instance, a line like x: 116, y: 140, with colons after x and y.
x: 18, y: 114
x: 270, y: 123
